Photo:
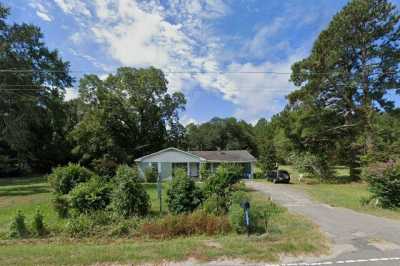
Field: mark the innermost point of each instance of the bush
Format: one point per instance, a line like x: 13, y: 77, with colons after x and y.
x: 150, y: 175
x: 239, y: 197
x: 61, y: 205
x: 80, y: 226
x: 17, y: 227
x: 64, y: 179
x: 384, y: 183
x: 196, y: 223
x: 260, y: 217
x: 38, y: 224
x: 215, y: 205
x: 258, y: 175
x: 183, y: 195
x: 129, y: 198
x: 204, y: 172
x: 105, y: 167
x: 90, y: 196
x: 222, y: 181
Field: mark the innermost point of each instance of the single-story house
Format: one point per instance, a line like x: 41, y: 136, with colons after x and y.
x: 165, y: 161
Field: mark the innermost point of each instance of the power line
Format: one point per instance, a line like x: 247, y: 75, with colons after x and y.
x: 167, y: 72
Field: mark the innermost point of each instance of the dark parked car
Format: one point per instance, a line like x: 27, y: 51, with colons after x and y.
x: 282, y: 176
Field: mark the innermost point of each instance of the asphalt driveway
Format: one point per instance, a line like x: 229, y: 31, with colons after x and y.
x: 357, y: 238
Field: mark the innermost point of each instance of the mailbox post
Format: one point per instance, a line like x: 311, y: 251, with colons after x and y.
x: 246, y: 207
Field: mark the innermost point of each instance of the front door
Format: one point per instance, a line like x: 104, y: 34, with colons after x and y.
x: 194, y: 169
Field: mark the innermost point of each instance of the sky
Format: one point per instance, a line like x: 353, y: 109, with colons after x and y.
x: 209, y: 49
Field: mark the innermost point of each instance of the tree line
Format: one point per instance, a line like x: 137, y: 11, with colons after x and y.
x: 340, y: 112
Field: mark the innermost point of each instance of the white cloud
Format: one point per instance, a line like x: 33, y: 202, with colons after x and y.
x: 41, y: 10
x: 178, y: 38
x: 70, y: 94
x: 73, y: 7
x: 185, y: 120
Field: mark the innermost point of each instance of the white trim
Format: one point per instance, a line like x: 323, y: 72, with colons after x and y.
x: 167, y: 149
x: 225, y: 161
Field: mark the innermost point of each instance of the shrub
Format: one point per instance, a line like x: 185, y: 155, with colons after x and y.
x: 384, y: 183
x: 204, y: 171
x: 183, y: 195
x: 221, y: 182
x: 38, y: 224
x: 61, y: 205
x: 129, y: 198
x: 260, y: 217
x: 196, y: 223
x: 17, y: 227
x: 150, y: 175
x: 105, y: 167
x: 239, y: 197
x: 258, y: 175
x: 79, y: 226
x: 90, y: 196
x: 64, y: 179
x: 215, y: 205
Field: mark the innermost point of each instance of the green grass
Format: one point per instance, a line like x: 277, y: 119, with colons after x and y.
x: 340, y: 194
x: 293, y: 235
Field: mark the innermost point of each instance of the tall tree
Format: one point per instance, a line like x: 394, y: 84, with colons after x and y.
x: 127, y: 115
x: 354, y: 63
x: 32, y: 82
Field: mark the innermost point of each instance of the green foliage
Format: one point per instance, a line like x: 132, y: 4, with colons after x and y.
x: 129, y: 197
x: 150, y: 175
x: 183, y: 195
x: 215, y: 205
x: 79, y: 226
x: 38, y: 224
x: 110, y: 128
x: 63, y: 179
x: 196, y: 223
x: 35, y: 121
x: 218, y: 133
x: 221, y: 182
x: 204, y: 171
x: 61, y: 205
x: 18, y: 227
x: 313, y: 165
x: 260, y: 216
x: 268, y: 159
x: 339, y: 104
x: 239, y: 197
x: 105, y: 167
x: 384, y: 183
x: 90, y: 196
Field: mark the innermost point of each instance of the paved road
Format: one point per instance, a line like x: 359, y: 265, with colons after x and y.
x: 356, y: 237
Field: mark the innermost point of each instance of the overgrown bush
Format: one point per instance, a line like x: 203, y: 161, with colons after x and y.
x: 61, y: 205
x: 196, y: 223
x: 150, y: 175
x: 92, y: 195
x: 129, y: 198
x: 260, y: 217
x: 384, y: 183
x: 204, y: 171
x: 218, y: 188
x: 63, y: 179
x: 215, y: 205
x: 221, y: 182
x: 183, y: 195
x: 38, y: 224
x: 79, y: 226
x: 18, y: 227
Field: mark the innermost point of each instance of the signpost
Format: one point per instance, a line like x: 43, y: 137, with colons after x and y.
x: 159, y: 191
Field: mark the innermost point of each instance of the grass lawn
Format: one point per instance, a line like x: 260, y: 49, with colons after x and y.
x: 290, y: 234
x: 347, y: 195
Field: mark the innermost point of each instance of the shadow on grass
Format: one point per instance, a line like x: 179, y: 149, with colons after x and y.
x: 24, y: 190
x: 14, y: 181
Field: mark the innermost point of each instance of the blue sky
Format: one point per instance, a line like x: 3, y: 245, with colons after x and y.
x: 97, y: 36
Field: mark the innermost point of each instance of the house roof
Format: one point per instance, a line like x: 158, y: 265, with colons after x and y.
x: 212, y: 156
x: 226, y: 156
